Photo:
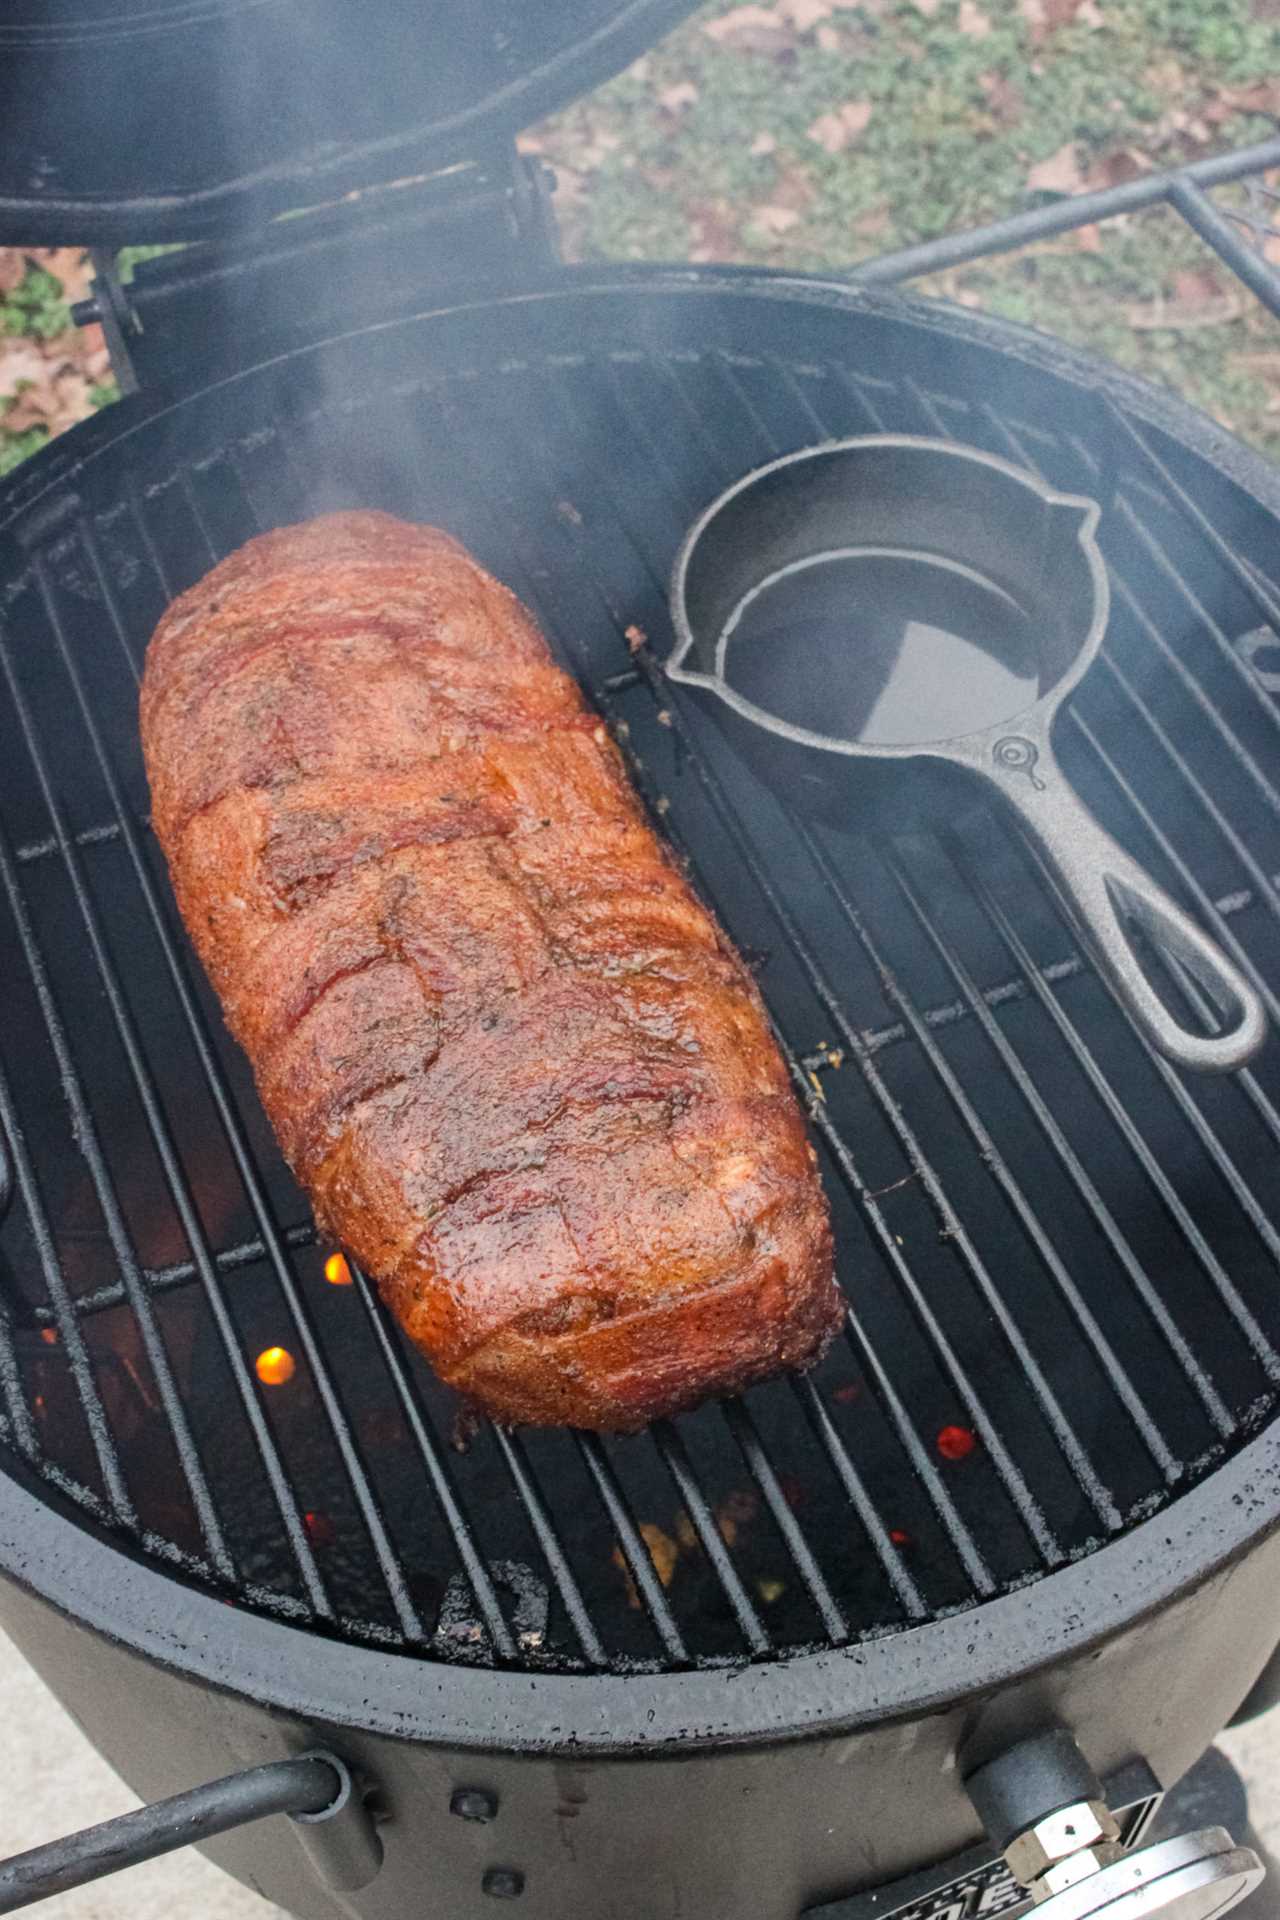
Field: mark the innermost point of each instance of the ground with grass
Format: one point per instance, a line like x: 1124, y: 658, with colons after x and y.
x: 813, y: 133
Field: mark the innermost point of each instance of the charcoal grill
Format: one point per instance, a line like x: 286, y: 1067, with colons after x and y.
x: 747, y: 1661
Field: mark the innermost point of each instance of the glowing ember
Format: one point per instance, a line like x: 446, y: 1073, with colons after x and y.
x: 900, y: 1537
x: 320, y: 1529
x: 663, y: 1552
x: 336, y: 1271
x: 49, y: 1335
x: 956, y: 1443
x: 275, y: 1365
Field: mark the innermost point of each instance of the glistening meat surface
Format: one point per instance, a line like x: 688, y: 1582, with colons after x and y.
x: 514, y: 1061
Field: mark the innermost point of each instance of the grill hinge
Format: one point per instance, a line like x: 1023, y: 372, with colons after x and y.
x: 385, y: 251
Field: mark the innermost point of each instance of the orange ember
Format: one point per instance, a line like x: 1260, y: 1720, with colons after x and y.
x: 336, y: 1271
x: 275, y: 1365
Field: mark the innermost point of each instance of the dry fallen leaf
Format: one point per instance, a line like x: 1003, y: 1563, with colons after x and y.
x: 751, y: 30
x: 838, y: 129
x: 804, y: 14
x: 1089, y: 239
x: 762, y: 144
x: 737, y: 18
x: 1060, y: 173
x: 22, y: 364
x: 927, y: 7
x: 827, y: 39
x: 971, y: 20
x: 1260, y: 96
x: 1114, y: 169
x: 56, y: 402
x: 70, y: 267
x: 870, y: 226
x: 1169, y: 316
x: 13, y: 269
x: 676, y: 99
x: 1193, y: 286
x: 715, y: 231
x: 1003, y: 97
x: 775, y: 220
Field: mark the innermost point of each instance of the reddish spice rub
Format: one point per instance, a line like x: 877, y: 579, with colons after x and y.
x: 518, y: 1067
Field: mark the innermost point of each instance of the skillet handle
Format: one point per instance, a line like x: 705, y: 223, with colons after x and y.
x: 1105, y: 887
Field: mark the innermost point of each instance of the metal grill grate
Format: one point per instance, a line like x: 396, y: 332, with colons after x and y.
x: 1060, y: 1256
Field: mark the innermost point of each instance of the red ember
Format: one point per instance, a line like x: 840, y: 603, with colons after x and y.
x: 956, y: 1443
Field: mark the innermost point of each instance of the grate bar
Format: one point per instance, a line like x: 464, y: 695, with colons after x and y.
x: 389, y: 1564
x: 86, y: 1132
x: 326, y: 1391
x: 947, y: 1512
x: 162, y: 1140
x: 1215, y: 1151
x: 1207, y: 1392
x: 743, y: 1429
x: 1200, y: 214
x: 677, y: 1462
x: 43, y: 849
x: 473, y: 1564
x: 949, y: 1222
x: 482, y: 1587
x: 1207, y: 904
x: 64, y: 1319
x: 634, y: 1551
x: 1267, y: 886
x: 1073, y: 1450
x: 1229, y: 1295
x: 18, y: 1414
x: 87, y: 1136
x: 1245, y: 1078
x: 511, y: 1448
x: 1070, y: 967
x: 180, y: 1273
x: 875, y: 1039
x: 949, y: 1516
x: 1263, y: 598
x: 828, y: 1437
x: 1112, y: 1365
x: 1221, y: 726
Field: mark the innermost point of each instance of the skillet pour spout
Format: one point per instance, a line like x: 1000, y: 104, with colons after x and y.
x: 881, y: 624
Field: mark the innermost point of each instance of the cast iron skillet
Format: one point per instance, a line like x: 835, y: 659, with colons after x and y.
x: 876, y: 621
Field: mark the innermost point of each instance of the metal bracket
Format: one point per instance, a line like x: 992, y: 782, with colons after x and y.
x: 379, y: 253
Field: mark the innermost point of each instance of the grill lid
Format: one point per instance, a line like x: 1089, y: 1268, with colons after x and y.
x: 130, y: 120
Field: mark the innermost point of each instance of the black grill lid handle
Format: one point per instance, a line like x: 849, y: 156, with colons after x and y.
x: 315, y: 1788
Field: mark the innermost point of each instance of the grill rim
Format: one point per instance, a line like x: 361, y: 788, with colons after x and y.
x: 1022, y: 1627
x: 57, y: 464
x: 902, y: 1676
